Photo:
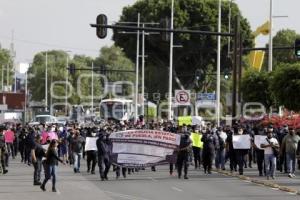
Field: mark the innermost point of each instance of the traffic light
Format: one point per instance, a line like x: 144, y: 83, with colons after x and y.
x: 297, y: 48
x: 72, y: 68
x: 101, y: 31
x: 165, y: 24
x: 226, y: 75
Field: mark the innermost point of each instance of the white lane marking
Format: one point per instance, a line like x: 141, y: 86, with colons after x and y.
x: 292, y: 193
x: 125, y: 196
x: 153, y: 179
x: 275, y: 189
x: 177, y: 189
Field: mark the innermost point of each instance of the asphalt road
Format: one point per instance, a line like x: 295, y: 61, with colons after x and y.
x: 144, y: 185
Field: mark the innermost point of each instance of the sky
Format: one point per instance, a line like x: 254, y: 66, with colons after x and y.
x: 39, y: 25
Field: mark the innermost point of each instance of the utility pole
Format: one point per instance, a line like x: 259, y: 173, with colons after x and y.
x: 143, y: 71
x: 67, y: 78
x: 92, y: 90
x: 170, y: 117
x: 270, y: 67
x: 2, y: 78
x: 219, y: 67
x: 46, y: 82
x: 235, y: 64
x: 137, y: 71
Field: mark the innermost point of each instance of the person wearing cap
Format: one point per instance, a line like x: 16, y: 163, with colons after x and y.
x: 289, y: 148
x: 103, y: 147
x: 270, y: 146
x: 183, y: 153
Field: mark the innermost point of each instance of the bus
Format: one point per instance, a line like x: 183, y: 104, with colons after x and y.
x: 116, y: 109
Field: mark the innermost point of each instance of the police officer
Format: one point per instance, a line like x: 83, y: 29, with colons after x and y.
x: 183, y: 154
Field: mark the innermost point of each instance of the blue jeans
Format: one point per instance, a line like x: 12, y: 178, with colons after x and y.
x: 270, y: 163
x: 291, y: 162
x: 50, y: 171
x: 77, y: 158
x: 220, y: 159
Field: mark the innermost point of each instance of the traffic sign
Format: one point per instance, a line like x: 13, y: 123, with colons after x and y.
x: 182, y: 97
x: 206, y: 96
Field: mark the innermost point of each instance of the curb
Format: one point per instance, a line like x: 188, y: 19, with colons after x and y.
x: 260, y: 182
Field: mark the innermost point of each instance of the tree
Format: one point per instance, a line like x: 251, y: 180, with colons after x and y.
x: 81, y: 81
x: 113, y: 58
x: 285, y: 86
x: 256, y: 87
x: 197, y: 52
x: 285, y: 37
x: 6, y: 63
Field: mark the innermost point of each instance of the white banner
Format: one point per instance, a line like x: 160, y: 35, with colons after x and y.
x: 90, y: 144
x: 144, y: 147
x: 259, y: 139
x: 241, y: 141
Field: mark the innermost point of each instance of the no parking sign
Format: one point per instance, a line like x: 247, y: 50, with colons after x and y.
x: 182, y: 97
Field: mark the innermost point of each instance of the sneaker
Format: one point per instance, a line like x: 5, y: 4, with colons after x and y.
x: 5, y: 171
x: 293, y: 175
x: 290, y: 175
x: 185, y: 177
x: 273, y: 177
x: 37, y: 183
x: 268, y: 177
x: 53, y: 189
x: 93, y: 172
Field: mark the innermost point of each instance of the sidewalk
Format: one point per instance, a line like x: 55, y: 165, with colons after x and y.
x: 17, y: 184
x: 282, y: 181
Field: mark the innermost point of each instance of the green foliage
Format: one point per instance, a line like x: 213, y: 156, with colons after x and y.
x: 255, y: 87
x: 285, y: 37
x: 286, y: 86
x: 6, y: 61
x: 81, y: 81
x: 198, y: 51
x: 113, y: 58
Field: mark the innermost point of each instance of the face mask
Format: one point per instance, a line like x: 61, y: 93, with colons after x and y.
x: 240, y: 132
x: 204, y: 131
x: 61, y: 129
x: 93, y: 134
x: 197, y: 131
x: 52, y: 129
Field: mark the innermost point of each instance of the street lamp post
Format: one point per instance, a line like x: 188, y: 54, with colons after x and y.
x: 171, y: 64
x: 270, y: 67
x: 46, y: 83
x: 218, y: 93
x: 137, y: 71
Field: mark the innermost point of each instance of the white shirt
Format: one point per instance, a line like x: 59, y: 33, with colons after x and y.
x: 269, y: 150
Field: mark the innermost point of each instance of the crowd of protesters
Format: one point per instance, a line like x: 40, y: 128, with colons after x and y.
x: 44, y: 146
